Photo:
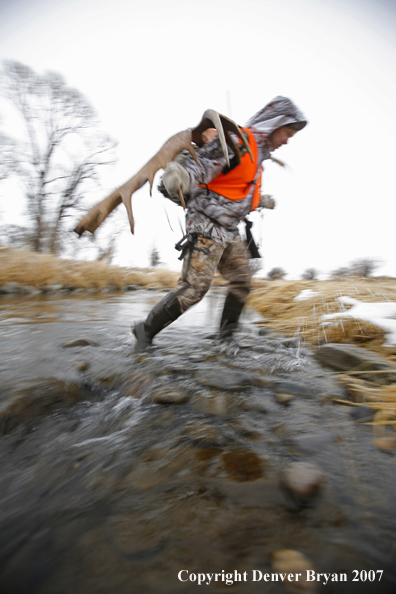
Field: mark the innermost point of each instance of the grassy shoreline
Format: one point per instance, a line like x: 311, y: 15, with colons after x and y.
x: 275, y: 299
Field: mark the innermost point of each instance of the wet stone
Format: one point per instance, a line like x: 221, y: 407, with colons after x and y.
x: 288, y: 561
x: 9, y: 289
x: 302, y: 481
x: 223, y: 378
x: 211, y: 404
x: 51, y: 288
x: 243, y: 465
x: 349, y: 357
x: 78, y: 342
x: 29, y: 291
x: 263, y: 381
x: 287, y: 387
x: 204, y: 434
x: 263, y: 331
x: 37, y: 398
x: 313, y: 443
x: 82, y: 366
x: 254, y: 405
x: 169, y: 396
x: 283, y: 398
x: 137, y: 385
x: 362, y: 413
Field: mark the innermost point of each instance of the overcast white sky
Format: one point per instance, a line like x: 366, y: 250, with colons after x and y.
x: 151, y: 69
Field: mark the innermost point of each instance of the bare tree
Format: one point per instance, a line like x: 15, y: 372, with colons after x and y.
x: 310, y: 274
x: 16, y: 236
x: 154, y: 257
x: 107, y: 251
x: 276, y: 274
x: 60, y: 149
x: 364, y: 266
x: 7, y: 156
x: 360, y: 267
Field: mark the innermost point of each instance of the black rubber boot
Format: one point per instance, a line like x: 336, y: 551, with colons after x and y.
x: 229, y: 319
x: 162, y: 314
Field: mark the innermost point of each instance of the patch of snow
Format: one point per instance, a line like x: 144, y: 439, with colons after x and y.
x: 305, y: 294
x: 345, y: 300
x: 381, y: 314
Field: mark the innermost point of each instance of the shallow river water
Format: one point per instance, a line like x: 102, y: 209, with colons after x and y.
x: 121, y: 469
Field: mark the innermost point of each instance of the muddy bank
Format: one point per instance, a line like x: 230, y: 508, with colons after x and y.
x: 119, y: 469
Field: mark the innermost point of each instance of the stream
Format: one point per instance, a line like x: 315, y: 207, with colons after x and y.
x: 121, y: 469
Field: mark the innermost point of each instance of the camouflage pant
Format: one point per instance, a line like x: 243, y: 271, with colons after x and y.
x: 198, y: 271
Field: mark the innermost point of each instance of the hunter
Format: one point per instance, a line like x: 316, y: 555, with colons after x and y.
x: 218, y: 197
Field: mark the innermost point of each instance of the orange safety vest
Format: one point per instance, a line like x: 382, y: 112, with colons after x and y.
x: 237, y: 183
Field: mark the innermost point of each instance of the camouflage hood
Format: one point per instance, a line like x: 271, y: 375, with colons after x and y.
x: 278, y: 112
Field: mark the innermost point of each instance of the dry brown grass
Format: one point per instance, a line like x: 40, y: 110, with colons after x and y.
x: 36, y: 270
x: 275, y: 301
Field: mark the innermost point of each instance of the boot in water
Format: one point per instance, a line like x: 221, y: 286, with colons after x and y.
x: 163, y: 313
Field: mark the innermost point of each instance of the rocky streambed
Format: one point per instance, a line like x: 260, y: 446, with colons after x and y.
x: 120, y: 469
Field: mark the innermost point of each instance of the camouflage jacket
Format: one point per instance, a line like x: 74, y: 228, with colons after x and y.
x: 211, y: 215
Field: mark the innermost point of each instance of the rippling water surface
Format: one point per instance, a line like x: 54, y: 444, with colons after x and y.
x: 119, y: 469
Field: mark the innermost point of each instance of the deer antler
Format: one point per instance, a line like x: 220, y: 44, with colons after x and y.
x: 166, y: 154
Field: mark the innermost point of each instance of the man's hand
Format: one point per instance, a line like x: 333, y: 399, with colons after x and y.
x: 175, y: 177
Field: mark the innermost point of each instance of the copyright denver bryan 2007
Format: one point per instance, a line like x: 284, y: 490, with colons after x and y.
x: 255, y: 575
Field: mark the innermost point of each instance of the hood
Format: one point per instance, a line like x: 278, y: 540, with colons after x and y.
x: 281, y: 111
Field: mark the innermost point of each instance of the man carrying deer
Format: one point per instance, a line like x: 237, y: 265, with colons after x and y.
x: 219, y: 184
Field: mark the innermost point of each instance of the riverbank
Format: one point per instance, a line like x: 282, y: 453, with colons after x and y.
x: 292, y: 307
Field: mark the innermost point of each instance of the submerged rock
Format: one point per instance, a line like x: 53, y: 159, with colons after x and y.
x: 283, y: 398
x: 243, y: 465
x: 79, y: 342
x: 362, y: 413
x: 138, y: 384
x: 292, y: 562
x: 212, y: 404
x: 289, y: 387
x: 33, y: 399
x: 82, y: 366
x: 223, y: 378
x: 302, y: 481
x: 169, y: 396
x: 204, y: 434
x: 312, y: 443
